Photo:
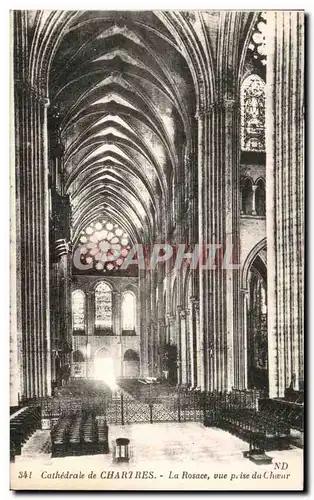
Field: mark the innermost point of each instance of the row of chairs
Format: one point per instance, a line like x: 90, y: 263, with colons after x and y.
x: 260, y: 430
x: 60, y: 436
x: 75, y: 436
x: 288, y: 411
x: 80, y: 434
x: 102, y: 434
x: 239, y: 416
x: 22, y: 425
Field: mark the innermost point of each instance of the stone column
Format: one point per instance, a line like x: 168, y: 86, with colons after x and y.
x: 254, y: 188
x: 16, y: 263
x: 161, y: 325
x: 117, y: 330
x: 116, y: 313
x: 194, y: 340
x: 183, y: 346
x: 241, y: 201
x: 285, y: 199
x: 60, y: 303
x: 153, y: 324
x: 161, y: 342
x: 178, y: 341
x: 68, y: 294
x: 145, y: 321
x: 90, y: 312
x: 241, y: 355
x: 31, y: 177
x: 218, y: 167
x: 197, y: 353
x: 90, y: 329
x: 173, y: 330
x: 190, y: 346
x: 167, y: 329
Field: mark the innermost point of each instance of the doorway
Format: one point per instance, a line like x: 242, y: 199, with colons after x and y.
x: 104, y: 367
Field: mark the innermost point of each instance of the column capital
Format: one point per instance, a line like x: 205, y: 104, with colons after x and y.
x: 195, y: 301
x: 224, y: 104
x: 196, y: 305
x: 32, y: 92
x: 171, y: 319
x: 62, y: 247
x: 211, y: 349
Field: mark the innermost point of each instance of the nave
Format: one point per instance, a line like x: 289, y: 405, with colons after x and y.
x: 157, y: 226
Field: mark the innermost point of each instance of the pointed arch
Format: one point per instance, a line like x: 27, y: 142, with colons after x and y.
x: 261, y: 245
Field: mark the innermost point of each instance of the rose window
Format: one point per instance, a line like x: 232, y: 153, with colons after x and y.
x: 104, y: 245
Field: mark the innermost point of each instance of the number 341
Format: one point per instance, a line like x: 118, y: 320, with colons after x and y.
x: 23, y: 474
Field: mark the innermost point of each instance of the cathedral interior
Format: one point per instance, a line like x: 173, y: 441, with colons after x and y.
x: 155, y: 134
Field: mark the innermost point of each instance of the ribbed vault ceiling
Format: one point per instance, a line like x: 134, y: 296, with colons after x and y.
x: 123, y: 97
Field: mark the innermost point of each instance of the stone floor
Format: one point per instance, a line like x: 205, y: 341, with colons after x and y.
x: 166, y: 447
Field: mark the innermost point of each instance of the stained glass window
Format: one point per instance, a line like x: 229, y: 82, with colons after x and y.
x: 128, y: 311
x: 103, y: 306
x: 78, y: 310
x: 253, y: 114
x: 105, y: 245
